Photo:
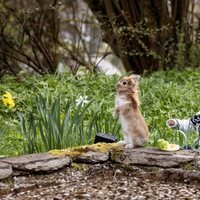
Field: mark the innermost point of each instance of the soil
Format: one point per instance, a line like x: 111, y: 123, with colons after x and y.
x: 100, y: 181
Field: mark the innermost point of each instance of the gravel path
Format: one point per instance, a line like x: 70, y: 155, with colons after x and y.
x: 95, y: 182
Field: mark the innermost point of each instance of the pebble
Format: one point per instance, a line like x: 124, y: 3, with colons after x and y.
x: 97, y: 183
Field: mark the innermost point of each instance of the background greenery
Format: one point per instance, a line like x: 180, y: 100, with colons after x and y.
x: 72, y: 38
x: 164, y: 95
x: 42, y: 36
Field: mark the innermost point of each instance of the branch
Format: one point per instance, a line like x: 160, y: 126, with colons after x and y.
x: 22, y: 61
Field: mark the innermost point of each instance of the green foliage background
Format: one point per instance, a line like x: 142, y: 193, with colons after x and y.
x: 164, y: 95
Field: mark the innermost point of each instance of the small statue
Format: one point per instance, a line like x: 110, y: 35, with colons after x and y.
x: 187, y: 126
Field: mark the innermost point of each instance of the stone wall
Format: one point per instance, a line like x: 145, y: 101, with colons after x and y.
x: 99, y: 153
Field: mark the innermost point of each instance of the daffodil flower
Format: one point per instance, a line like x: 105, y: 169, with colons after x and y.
x: 8, y: 100
x: 82, y: 100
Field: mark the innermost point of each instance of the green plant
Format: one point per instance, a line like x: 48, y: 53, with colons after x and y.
x: 194, y: 52
x: 164, y: 95
x: 170, y: 94
x: 2, y: 132
x: 55, y: 128
x: 158, y: 132
x: 10, y: 139
x: 107, y: 124
x: 181, y: 138
x: 196, y: 142
x: 180, y: 53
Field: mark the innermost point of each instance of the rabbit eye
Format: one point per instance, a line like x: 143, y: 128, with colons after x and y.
x: 124, y: 83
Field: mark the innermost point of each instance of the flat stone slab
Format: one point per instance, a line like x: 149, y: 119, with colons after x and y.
x: 154, y: 157
x: 5, y: 170
x: 89, y: 154
x: 92, y: 157
x: 41, y: 162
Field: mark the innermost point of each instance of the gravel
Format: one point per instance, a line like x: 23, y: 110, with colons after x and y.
x: 105, y: 181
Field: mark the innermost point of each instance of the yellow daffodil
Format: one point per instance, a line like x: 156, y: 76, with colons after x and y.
x: 8, y: 100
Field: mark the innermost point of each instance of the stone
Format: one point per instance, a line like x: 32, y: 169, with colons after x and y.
x: 95, y: 153
x: 92, y: 156
x: 5, y: 170
x: 180, y: 175
x: 197, y: 160
x: 42, y: 162
x: 153, y: 157
x: 4, y: 187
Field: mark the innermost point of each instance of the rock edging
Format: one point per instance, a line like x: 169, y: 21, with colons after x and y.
x: 5, y: 170
x: 96, y: 153
x: 154, y: 157
x: 26, y: 164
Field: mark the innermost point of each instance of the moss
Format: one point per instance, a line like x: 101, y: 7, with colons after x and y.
x: 188, y: 166
x: 116, y: 147
x: 63, y: 152
x: 79, y: 167
x: 78, y: 151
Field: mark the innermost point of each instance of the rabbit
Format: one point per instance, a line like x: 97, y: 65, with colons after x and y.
x: 127, y: 109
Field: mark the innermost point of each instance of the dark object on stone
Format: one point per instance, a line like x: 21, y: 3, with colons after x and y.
x: 187, y: 147
x: 104, y: 137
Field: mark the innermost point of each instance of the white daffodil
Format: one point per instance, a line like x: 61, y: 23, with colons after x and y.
x: 81, y: 100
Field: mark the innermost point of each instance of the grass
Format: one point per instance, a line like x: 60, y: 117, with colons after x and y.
x: 170, y: 94
x: 164, y: 95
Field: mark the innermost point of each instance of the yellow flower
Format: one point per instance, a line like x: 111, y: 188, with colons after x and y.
x: 8, y: 100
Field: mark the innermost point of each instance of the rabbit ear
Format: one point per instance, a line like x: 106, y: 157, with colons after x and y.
x: 135, y: 78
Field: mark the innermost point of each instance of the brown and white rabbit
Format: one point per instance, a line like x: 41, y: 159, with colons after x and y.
x: 127, y: 108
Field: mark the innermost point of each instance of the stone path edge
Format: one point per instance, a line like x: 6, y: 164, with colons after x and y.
x: 26, y: 164
x: 47, y: 162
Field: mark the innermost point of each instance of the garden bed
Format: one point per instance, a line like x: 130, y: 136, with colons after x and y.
x: 102, y: 181
x: 100, y: 171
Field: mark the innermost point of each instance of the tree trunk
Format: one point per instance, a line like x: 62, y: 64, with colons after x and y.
x: 139, y: 32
